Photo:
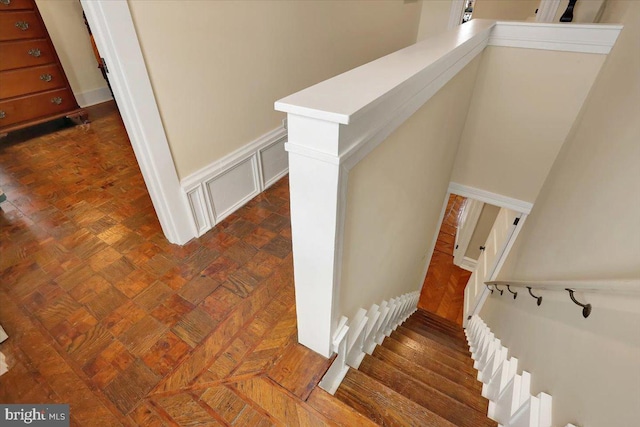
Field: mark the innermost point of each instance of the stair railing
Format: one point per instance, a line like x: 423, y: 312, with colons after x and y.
x: 629, y: 287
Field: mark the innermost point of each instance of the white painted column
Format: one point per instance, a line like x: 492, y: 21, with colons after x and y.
x: 315, y: 181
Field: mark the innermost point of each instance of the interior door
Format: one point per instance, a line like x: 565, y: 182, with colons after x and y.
x: 490, y: 259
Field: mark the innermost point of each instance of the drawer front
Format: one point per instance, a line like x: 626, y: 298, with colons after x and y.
x: 30, y: 80
x: 39, y: 105
x: 20, y: 25
x: 26, y: 53
x: 15, y: 4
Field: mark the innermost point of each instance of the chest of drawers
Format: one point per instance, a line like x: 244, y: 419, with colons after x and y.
x: 33, y: 86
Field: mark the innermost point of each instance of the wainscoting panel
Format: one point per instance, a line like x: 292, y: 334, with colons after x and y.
x: 199, y: 209
x: 219, y: 189
x: 274, y: 162
x: 233, y: 188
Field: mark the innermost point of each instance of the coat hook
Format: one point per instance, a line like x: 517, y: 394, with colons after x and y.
x: 491, y: 289
x: 586, y: 308
x: 531, y: 293
x: 515, y: 294
x: 498, y: 289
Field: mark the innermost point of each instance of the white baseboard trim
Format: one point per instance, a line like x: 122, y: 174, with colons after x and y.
x: 353, y: 339
x: 469, y: 264
x: 93, y: 97
x: 222, y: 187
x: 509, y: 394
x: 491, y: 198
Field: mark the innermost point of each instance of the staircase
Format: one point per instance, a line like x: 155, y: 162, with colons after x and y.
x: 421, y: 375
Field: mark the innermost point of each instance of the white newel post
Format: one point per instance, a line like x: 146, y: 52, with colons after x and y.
x: 315, y: 186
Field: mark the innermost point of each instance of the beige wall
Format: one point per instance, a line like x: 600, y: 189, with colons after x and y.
x: 481, y: 232
x: 523, y: 106
x: 217, y: 67
x: 434, y: 17
x: 63, y: 19
x: 506, y: 10
x: 585, y: 225
x: 403, y: 182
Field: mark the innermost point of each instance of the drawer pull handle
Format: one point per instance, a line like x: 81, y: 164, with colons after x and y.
x: 57, y: 100
x: 34, y: 52
x: 2, y: 113
x: 23, y: 25
x: 6, y: 3
x: 46, y: 77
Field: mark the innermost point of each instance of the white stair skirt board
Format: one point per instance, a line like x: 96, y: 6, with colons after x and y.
x: 510, y: 401
x: 219, y: 189
x: 354, y: 339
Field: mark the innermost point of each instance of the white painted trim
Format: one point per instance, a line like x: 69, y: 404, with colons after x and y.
x: 491, y: 198
x: 585, y: 38
x: 249, y: 164
x: 509, y: 394
x: 115, y: 35
x: 354, y: 94
x: 358, y: 337
x: 93, y: 97
x: 547, y: 10
x: 455, y: 14
x: 382, y: 123
x: 469, y: 221
x: 501, y: 259
x: 469, y: 264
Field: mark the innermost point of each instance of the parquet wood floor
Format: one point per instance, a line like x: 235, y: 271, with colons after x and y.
x: 443, y: 288
x: 104, y: 314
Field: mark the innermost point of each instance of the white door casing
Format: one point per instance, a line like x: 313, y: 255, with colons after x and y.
x: 114, y: 32
x: 501, y: 238
x: 469, y: 219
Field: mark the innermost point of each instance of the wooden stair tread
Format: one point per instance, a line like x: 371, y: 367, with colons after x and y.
x: 382, y: 405
x: 463, y: 356
x: 461, y: 377
x: 336, y: 410
x: 471, y: 398
x: 429, y: 349
x: 442, y: 349
x: 423, y: 394
x: 440, y: 320
x: 437, y: 320
x: 449, y: 341
x: 457, y: 336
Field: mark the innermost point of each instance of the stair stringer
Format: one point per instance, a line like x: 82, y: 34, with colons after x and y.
x: 368, y: 328
x: 510, y: 401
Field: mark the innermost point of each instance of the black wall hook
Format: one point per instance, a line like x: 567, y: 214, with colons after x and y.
x: 515, y: 294
x: 498, y: 289
x: 491, y: 289
x: 586, y: 308
x: 531, y: 293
